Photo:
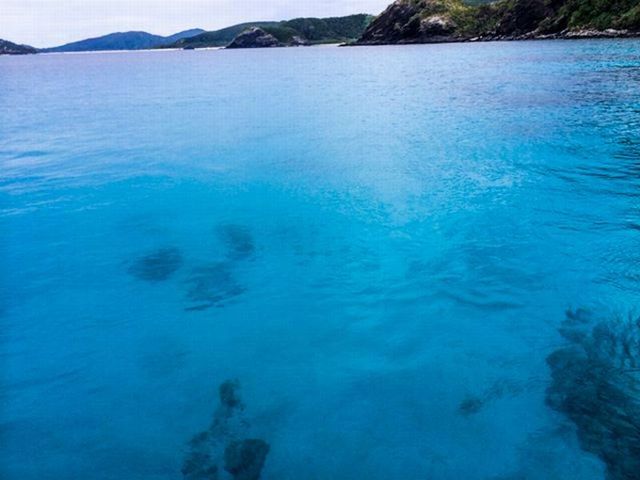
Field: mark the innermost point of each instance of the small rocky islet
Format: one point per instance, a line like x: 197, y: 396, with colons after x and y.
x: 257, y: 37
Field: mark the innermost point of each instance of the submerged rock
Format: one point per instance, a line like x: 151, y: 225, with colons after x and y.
x: 157, y: 266
x: 199, y: 466
x: 596, y: 384
x: 222, y: 442
x: 245, y: 459
x: 212, y: 286
x: 238, y: 240
x: 229, y: 396
x: 473, y: 404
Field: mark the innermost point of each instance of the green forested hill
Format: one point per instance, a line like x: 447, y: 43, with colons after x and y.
x: 122, y: 41
x: 413, y: 21
x: 10, y: 48
x: 313, y: 30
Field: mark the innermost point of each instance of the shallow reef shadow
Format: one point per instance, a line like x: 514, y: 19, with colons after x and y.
x: 238, y: 241
x: 595, y: 382
x: 473, y: 404
x: 225, y: 443
x: 157, y: 266
x: 212, y: 286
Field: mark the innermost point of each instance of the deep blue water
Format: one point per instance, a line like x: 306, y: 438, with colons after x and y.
x: 379, y: 244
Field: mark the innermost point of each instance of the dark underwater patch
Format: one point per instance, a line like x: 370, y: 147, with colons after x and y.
x: 157, y: 266
x: 596, y: 384
x: 199, y: 466
x: 223, y: 443
x: 238, y: 241
x: 244, y: 459
x: 212, y: 286
x: 473, y: 404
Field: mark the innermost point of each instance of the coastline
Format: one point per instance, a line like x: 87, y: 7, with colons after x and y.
x: 572, y: 35
x: 609, y: 34
x: 89, y: 52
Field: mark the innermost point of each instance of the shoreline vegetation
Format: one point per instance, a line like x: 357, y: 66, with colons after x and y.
x: 566, y: 35
x: 446, y: 21
x: 10, y: 48
x: 296, y: 32
x: 402, y: 22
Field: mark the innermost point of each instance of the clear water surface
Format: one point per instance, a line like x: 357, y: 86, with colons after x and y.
x: 378, y: 243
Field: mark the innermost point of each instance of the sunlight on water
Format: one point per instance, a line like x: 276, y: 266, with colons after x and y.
x: 378, y: 263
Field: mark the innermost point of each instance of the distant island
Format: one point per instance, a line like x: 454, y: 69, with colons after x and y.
x: 299, y: 31
x: 9, y: 48
x: 123, y: 41
x: 432, y: 21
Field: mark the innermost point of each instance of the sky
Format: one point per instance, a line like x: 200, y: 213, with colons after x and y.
x: 47, y: 23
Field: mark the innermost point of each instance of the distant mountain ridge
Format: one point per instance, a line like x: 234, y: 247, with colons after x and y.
x: 123, y: 41
x: 429, y: 21
x: 10, y: 48
x: 310, y: 30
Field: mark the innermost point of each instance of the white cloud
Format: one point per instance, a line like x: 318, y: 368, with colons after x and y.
x: 45, y: 23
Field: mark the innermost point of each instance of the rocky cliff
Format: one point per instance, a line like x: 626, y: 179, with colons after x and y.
x: 268, y: 37
x: 428, y: 21
x: 255, y: 37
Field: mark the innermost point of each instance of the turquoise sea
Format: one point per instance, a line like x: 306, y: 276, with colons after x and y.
x: 376, y: 245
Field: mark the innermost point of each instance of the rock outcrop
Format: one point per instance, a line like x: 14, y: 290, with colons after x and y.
x: 9, y: 48
x: 266, y: 37
x: 596, y: 384
x: 225, y: 443
x: 433, y: 21
x: 244, y: 459
x: 157, y: 266
x: 255, y: 37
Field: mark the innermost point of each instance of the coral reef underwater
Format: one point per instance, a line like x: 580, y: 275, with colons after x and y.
x: 157, y: 266
x: 596, y: 384
x: 473, y: 404
x: 225, y: 443
x: 209, y: 285
x: 238, y: 241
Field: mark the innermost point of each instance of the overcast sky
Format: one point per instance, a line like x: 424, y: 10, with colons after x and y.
x: 46, y: 23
